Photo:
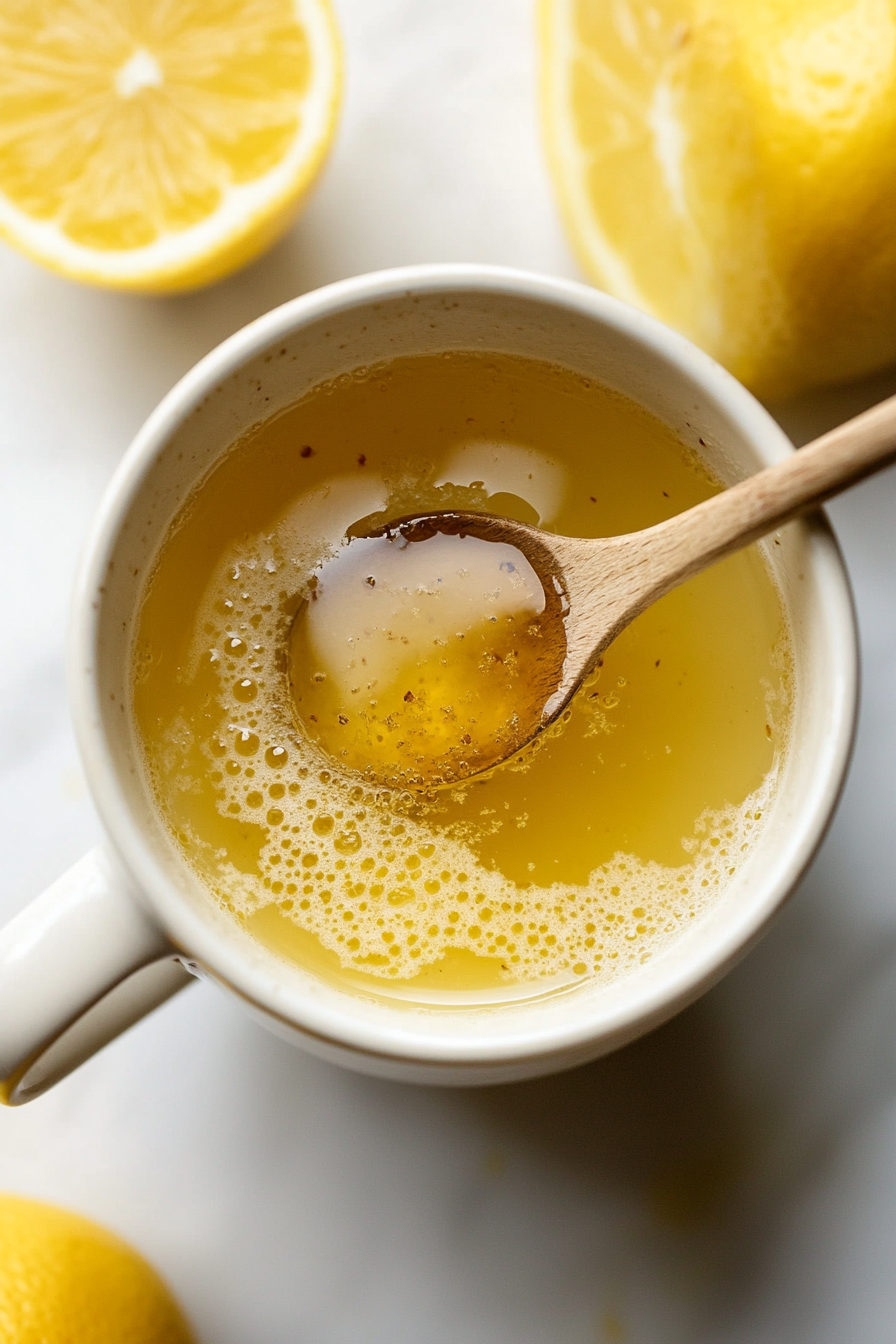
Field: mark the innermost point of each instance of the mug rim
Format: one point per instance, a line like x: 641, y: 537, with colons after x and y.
x: 225, y: 960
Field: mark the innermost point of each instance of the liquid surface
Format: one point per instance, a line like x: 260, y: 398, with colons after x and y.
x: 420, y: 660
x: 583, y: 858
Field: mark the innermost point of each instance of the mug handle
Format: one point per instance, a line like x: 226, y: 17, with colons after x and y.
x: 78, y: 966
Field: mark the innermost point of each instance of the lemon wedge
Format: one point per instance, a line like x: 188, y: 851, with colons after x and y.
x: 159, y: 145
x: 730, y: 167
x: 64, y: 1278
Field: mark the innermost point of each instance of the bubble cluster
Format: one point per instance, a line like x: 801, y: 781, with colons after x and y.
x: 368, y: 871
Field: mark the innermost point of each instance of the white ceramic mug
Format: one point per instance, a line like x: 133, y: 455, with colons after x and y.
x: 129, y: 924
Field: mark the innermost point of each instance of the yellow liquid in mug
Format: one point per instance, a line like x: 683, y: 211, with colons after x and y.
x: 583, y: 858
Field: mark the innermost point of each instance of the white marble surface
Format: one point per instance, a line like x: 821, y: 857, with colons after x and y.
x: 289, y: 1201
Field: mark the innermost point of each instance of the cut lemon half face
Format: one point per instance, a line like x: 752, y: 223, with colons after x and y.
x: 730, y: 167
x: 160, y: 144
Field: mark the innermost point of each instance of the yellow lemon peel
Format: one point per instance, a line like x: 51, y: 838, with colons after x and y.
x: 66, y: 1278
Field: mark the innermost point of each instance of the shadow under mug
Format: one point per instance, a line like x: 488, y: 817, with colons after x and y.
x: 130, y: 923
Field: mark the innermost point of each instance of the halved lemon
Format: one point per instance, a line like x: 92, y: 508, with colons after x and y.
x: 730, y: 166
x: 159, y: 144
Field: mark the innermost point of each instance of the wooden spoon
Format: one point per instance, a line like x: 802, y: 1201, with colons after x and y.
x: 603, y: 583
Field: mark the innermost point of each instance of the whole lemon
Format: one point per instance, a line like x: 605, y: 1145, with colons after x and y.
x: 730, y: 166
x: 65, y: 1280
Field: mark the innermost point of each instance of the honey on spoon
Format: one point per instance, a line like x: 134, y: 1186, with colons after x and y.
x: 443, y: 645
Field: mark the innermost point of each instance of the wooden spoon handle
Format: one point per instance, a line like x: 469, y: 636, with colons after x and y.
x: 692, y: 540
